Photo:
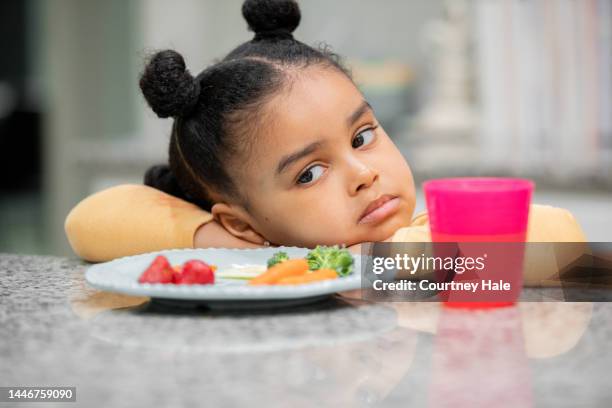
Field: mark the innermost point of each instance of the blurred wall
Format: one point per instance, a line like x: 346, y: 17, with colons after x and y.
x: 418, y: 62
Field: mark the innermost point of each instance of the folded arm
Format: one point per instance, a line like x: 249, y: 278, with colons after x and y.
x: 131, y: 219
x: 562, y: 238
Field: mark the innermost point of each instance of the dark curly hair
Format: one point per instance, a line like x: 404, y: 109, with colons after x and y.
x: 217, y: 113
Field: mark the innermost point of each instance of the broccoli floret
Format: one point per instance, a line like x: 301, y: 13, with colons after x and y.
x: 278, y: 257
x: 334, y: 257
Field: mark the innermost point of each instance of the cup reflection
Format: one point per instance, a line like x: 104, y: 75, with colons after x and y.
x: 479, y: 360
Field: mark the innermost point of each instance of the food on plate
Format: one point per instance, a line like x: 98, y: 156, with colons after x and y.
x: 195, y: 271
x: 291, y: 267
x: 159, y: 271
x: 320, y: 263
x: 278, y: 257
x: 177, y: 268
x: 332, y: 257
x: 310, y: 276
x: 241, y: 272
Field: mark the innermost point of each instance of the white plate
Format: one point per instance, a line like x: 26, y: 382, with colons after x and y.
x: 121, y: 276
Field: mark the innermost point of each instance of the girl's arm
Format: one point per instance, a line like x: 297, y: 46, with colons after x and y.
x: 131, y: 219
x: 547, y: 224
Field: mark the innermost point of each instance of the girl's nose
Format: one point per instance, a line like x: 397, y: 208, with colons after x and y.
x: 362, y: 176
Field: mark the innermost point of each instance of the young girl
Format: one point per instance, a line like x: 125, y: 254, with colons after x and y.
x: 273, y: 145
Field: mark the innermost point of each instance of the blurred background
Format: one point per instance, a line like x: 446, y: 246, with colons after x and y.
x: 481, y: 87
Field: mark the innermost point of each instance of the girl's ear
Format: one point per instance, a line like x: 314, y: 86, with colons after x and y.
x: 236, y: 222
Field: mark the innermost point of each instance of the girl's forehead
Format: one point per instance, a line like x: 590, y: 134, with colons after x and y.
x: 315, y: 106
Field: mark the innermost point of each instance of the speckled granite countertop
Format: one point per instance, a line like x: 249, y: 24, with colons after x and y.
x: 124, y: 351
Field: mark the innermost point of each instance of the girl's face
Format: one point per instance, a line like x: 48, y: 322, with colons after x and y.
x: 323, y: 170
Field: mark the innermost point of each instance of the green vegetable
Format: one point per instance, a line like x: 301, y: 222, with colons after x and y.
x: 334, y: 257
x: 278, y: 257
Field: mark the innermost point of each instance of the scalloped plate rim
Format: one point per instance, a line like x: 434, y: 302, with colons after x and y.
x: 98, y: 277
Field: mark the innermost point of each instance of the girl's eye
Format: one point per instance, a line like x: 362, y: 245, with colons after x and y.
x: 363, y: 138
x: 312, y: 174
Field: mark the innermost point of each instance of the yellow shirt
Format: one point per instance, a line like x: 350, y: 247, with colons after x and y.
x: 131, y: 219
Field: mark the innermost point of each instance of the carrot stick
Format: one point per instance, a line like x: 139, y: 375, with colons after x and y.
x: 318, y: 275
x: 291, y: 267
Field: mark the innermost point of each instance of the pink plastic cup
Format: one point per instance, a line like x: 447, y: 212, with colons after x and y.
x: 482, y: 210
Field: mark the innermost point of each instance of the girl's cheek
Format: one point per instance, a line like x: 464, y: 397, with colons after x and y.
x: 396, y: 165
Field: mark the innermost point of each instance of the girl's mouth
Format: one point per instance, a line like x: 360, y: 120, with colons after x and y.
x: 379, y: 209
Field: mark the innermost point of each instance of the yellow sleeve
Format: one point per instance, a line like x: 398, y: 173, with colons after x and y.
x: 131, y: 219
x: 545, y: 262
x: 553, y: 224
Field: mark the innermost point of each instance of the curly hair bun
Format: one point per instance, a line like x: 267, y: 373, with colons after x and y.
x: 161, y: 177
x: 168, y: 87
x: 271, y: 18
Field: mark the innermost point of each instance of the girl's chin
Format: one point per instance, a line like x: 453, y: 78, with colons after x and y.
x: 363, y: 233
x: 385, y: 230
